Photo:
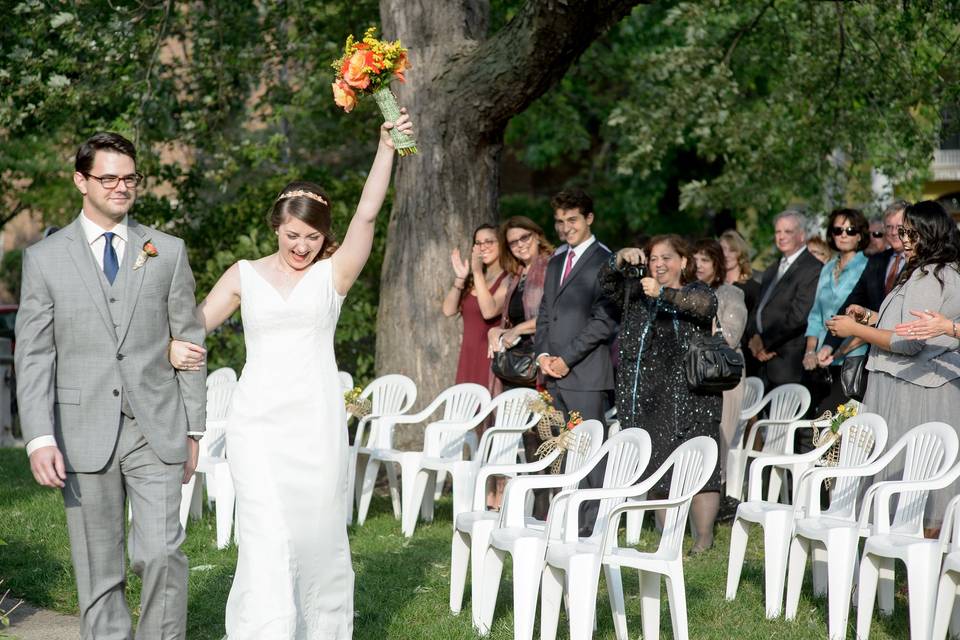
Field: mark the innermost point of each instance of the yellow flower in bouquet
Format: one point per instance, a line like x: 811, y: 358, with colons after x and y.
x: 356, y: 405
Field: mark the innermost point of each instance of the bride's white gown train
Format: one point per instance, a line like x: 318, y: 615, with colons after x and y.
x: 287, y: 448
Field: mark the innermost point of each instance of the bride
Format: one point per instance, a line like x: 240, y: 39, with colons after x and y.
x: 286, y: 440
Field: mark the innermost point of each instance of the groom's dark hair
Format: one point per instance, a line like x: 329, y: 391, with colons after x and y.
x: 102, y: 141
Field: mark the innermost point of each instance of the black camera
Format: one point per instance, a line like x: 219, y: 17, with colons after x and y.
x: 635, y: 271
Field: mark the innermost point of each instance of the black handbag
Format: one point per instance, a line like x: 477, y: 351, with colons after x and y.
x: 853, y: 377
x: 711, y: 365
x: 518, y: 365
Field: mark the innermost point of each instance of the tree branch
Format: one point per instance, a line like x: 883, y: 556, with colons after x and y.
x: 744, y: 31
x: 519, y: 63
x: 13, y: 214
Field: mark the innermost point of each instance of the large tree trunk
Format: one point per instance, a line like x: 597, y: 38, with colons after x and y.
x: 462, y: 91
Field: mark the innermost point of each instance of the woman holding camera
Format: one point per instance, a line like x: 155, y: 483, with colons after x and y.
x: 663, y: 308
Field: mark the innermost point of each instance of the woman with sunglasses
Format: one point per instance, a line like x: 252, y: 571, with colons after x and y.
x: 848, y: 235
x: 477, y: 296
x: 914, y: 381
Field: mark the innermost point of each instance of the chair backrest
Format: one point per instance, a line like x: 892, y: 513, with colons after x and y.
x: 950, y: 531
x: 588, y: 438
x: 501, y: 443
x: 460, y: 403
x: 752, y: 395
x: 863, y: 439
x: 219, y: 398
x: 346, y: 380
x: 613, y: 428
x: 220, y: 376
x: 929, y: 449
x: 628, y: 454
x: 692, y: 465
x: 785, y: 404
x: 390, y: 395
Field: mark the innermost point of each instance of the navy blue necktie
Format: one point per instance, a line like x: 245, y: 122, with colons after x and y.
x: 110, y: 263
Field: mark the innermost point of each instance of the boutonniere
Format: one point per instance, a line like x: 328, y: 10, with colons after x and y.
x: 148, y: 251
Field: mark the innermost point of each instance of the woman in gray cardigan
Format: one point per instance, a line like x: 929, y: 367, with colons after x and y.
x: 914, y: 381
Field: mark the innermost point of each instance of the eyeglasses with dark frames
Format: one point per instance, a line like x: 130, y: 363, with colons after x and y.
x: 850, y: 231
x: 909, y: 234
x: 524, y: 239
x: 484, y: 243
x: 131, y: 181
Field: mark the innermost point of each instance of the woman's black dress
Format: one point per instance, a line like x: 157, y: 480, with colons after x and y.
x: 652, y: 390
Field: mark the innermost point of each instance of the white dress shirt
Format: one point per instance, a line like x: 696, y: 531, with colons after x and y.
x: 577, y: 253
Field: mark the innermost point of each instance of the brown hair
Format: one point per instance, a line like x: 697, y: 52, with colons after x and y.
x: 313, y: 211
x: 714, y: 252
x: 468, y: 281
x: 678, y: 244
x: 509, y: 263
x: 856, y: 219
x: 572, y: 199
x: 102, y: 141
x: 740, y: 246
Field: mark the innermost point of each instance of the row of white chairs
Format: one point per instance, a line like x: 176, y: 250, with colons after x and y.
x: 798, y: 532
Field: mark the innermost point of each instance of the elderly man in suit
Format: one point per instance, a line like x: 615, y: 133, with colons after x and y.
x: 105, y: 416
x: 777, y: 325
x: 576, y: 323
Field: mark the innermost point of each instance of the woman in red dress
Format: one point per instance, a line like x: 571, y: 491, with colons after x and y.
x: 477, y: 296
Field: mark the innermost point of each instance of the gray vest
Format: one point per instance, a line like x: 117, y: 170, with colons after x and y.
x: 113, y: 294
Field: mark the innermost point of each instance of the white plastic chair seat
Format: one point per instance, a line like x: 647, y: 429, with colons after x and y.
x: 560, y: 554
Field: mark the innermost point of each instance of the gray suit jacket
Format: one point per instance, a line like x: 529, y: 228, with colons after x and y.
x: 72, y: 368
x: 930, y: 363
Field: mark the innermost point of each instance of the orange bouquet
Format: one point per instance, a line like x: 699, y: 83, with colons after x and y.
x: 366, y: 68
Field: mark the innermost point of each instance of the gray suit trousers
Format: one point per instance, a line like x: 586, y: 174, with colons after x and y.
x: 95, y: 505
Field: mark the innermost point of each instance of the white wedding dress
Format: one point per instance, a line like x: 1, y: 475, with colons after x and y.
x: 287, y: 447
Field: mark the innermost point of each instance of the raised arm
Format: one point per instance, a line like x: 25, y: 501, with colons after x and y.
x: 349, y: 259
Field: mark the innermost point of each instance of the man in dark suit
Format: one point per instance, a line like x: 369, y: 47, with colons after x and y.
x: 876, y: 281
x: 576, y: 323
x: 777, y: 326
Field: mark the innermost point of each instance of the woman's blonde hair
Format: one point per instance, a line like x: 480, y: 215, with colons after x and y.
x: 737, y: 243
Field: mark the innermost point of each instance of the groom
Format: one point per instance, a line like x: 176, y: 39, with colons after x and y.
x: 105, y: 416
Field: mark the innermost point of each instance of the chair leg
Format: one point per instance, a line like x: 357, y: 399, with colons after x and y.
x: 370, y: 471
x: 459, y: 559
x: 867, y: 593
x: 634, y: 527
x: 617, y: 605
x: 490, y: 580
x: 738, y: 549
x: 226, y: 498
x: 775, y: 536
x: 840, y: 583
x: 650, y: 604
x: 819, y: 570
x: 677, y: 595
x: 394, y: 491
x: 413, y: 483
x: 479, y: 543
x: 186, y: 500
x: 527, y: 569
x: 584, y: 578
x: 551, y: 599
x: 799, y: 552
x: 462, y: 493
x: 886, y: 586
x: 923, y: 567
x: 736, y: 463
x: 437, y: 489
x: 946, y: 595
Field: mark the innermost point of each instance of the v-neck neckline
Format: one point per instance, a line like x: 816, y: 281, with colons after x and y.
x: 276, y: 291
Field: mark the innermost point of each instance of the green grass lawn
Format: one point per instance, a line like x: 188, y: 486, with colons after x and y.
x: 402, y: 585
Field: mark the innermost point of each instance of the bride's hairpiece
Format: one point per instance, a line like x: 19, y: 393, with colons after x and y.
x: 305, y: 194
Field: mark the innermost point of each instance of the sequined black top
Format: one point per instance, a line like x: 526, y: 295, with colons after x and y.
x: 652, y: 390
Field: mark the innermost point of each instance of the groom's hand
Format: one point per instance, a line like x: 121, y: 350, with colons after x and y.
x: 47, y: 466
x: 193, y: 452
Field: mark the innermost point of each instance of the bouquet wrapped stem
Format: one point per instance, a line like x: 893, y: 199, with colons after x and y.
x: 387, y: 102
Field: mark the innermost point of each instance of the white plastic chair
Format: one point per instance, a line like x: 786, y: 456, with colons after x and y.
x: 833, y: 536
x: 863, y: 439
x: 458, y: 410
x: 346, y: 380
x: 472, y: 529
x: 220, y: 376
x: 692, y: 464
x: 627, y: 455
x: 390, y: 395
x: 502, y: 443
x: 785, y: 406
x: 213, y: 466
x: 902, y: 539
x: 947, y: 617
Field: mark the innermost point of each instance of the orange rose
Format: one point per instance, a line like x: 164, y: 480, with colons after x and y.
x: 344, y: 96
x: 400, y: 67
x: 352, y: 70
